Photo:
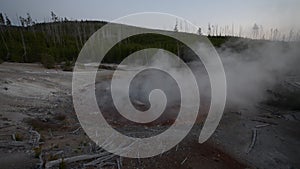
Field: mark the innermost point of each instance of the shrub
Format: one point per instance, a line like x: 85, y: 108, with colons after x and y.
x: 60, y: 117
x: 16, y: 58
x: 43, y: 126
x: 67, y: 66
x: 48, y: 61
x: 37, y: 151
x: 18, y: 137
x: 62, y: 165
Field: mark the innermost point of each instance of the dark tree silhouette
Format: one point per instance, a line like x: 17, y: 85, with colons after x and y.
x: 8, y: 22
x: 176, y: 26
x: 22, y: 21
x: 54, y: 17
x: 255, y: 30
x: 209, y: 29
x: 2, y: 22
x: 199, y: 31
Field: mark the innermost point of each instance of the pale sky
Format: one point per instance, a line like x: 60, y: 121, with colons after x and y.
x: 280, y: 14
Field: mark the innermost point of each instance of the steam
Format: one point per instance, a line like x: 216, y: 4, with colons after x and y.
x: 251, y: 68
x: 155, y: 69
x: 261, y: 66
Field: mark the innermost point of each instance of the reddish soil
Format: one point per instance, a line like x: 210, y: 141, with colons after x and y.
x: 189, y: 155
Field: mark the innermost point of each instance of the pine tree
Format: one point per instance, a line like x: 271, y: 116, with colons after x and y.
x: 54, y: 17
x: 255, y: 31
x: 209, y: 29
x: 22, y: 21
x: 199, y: 31
x: 176, y: 26
x: 28, y: 20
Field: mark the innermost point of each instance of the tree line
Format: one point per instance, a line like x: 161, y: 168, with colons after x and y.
x: 60, y: 41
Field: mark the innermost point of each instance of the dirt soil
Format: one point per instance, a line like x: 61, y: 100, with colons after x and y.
x: 37, y: 100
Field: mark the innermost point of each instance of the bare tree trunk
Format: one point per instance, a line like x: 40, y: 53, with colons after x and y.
x: 51, y: 164
x: 33, y: 30
x: 85, y: 37
x: 77, y: 44
x: 79, y: 35
x: 52, y: 33
x: 24, y: 47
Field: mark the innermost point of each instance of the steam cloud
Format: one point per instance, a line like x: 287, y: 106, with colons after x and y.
x: 261, y: 66
x: 251, y: 67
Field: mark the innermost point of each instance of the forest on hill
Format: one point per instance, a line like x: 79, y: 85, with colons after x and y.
x: 61, y: 40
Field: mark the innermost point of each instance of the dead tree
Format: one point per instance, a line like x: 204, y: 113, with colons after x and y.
x: 22, y: 22
x: 5, y: 44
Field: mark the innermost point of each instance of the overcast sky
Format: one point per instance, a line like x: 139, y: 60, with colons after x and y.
x: 281, y: 14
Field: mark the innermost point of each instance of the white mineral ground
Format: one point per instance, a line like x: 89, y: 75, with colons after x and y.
x: 259, y: 137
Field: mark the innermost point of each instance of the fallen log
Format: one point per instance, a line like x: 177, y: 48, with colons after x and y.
x: 74, y: 159
x: 99, y: 160
x: 6, y: 144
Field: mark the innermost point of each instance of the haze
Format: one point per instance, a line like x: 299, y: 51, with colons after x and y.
x: 280, y: 14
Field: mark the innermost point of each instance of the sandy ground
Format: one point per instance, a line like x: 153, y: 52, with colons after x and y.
x: 36, y: 99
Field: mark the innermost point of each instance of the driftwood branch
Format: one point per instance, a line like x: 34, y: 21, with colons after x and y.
x: 7, y: 126
x: 73, y: 159
x: 41, y: 165
x: 262, y: 125
x: 35, y: 141
x: 254, y: 135
x: 264, y: 121
x: 177, y: 147
x: 100, y: 160
x: 14, y: 137
x: 183, y: 161
x: 119, y: 164
x: 50, y: 133
x: 75, y: 131
x: 13, y: 144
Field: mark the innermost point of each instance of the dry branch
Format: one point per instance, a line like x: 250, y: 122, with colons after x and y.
x: 50, y: 133
x: 35, y: 141
x: 254, y: 135
x: 100, y: 160
x: 265, y: 121
x: 183, y: 161
x: 14, y: 137
x: 41, y: 161
x: 6, y: 144
x: 74, y: 159
x: 75, y: 131
x: 262, y: 125
x: 119, y: 163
